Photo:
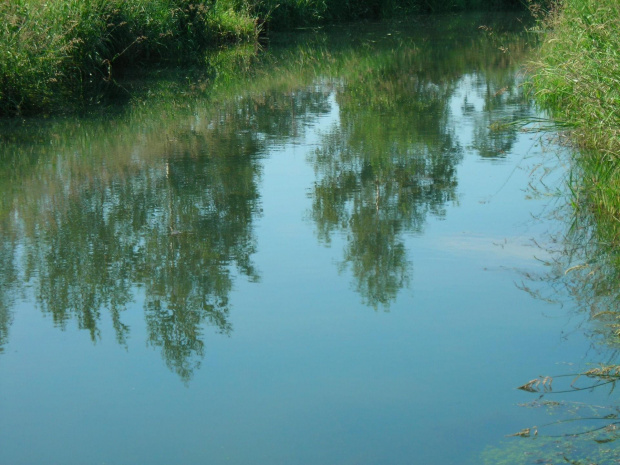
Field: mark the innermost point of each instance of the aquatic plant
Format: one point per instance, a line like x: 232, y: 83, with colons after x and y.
x: 584, y: 432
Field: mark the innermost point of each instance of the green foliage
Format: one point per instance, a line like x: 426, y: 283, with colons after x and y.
x: 58, y: 53
x: 73, y: 49
x: 286, y: 14
x: 577, y: 74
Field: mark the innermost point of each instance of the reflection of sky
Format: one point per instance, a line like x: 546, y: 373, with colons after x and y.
x: 491, y: 248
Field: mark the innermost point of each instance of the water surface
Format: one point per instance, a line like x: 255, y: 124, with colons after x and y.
x: 320, y: 262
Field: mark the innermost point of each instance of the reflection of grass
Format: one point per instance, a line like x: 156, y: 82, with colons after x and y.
x: 68, y: 52
x: 586, y: 270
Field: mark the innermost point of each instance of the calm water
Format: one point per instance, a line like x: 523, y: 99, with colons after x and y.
x: 323, y: 264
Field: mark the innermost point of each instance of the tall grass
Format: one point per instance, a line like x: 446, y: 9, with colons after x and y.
x: 66, y: 48
x: 59, y: 52
x: 577, y: 78
x: 577, y: 75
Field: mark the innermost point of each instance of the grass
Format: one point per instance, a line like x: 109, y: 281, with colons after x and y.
x: 577, y: 79
x: 66, y: 53
x: 69, y: 49
x: 577, y: 75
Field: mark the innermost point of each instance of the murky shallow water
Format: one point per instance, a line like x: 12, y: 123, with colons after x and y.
x: 310, y: 271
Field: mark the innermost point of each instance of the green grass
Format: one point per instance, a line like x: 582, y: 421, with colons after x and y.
x: 577, y: 75
x: 71, y: 49
x: 577, y: 78
x: 60, y: 54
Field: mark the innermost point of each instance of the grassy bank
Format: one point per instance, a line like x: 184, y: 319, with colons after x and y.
x: 577, y: 76
x: 72, y: 50
x: 66, y: 53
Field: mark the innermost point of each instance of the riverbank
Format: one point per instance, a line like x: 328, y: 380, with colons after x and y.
x: 577, y: 75
x: 577, y: 78
x: 68, y: 53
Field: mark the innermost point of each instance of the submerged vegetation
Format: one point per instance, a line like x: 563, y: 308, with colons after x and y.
x: 66, y: 53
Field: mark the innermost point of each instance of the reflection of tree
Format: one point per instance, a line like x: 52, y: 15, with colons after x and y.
x: 503, y: 103
x: 171, y: 213
x: 388, y: 165
x: 165, y: 199
x: 173, y: 230
x: 8, y: 284
x: 391, y: 161
x: 203, y: 225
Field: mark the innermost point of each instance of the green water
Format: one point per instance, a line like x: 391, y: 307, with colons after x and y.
x: 317, y: 256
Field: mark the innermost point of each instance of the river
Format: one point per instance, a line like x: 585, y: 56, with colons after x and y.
x: 324, y: 255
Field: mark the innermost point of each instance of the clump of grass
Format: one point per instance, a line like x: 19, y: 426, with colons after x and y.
x: 577, y: 74
x: 577, y: 78
x: 69, y: 48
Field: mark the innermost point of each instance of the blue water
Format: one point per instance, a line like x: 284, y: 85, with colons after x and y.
x: 309, y: 371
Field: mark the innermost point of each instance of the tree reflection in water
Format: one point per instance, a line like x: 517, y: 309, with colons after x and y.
x: 164, y: 200
x: 170, y: 213
x: 391, y: 161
